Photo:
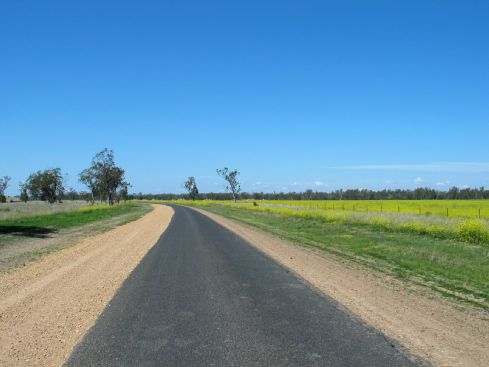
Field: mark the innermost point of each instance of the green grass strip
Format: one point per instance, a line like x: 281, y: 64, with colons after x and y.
x: 57, y: 221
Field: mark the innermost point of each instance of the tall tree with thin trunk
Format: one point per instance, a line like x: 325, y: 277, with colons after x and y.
x: 191, y: 186
x: 231, y: 178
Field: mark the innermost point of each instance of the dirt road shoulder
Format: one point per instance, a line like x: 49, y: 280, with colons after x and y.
x: 48, y: 305
x: 435, y: 329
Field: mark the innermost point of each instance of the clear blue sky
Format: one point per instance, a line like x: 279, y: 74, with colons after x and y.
x: 295, y: 94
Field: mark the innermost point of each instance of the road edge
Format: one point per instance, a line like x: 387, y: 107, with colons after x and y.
x: 425, y: 325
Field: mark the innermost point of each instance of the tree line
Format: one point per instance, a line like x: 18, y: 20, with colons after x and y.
x: 422, y: 193
x: 106, y: 182
x: 104, y: 179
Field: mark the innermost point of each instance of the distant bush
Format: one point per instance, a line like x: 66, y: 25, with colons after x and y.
x: 473, y: 231
x: 3, y: 199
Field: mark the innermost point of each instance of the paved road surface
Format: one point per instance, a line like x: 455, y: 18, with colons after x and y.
x: 204, y: 297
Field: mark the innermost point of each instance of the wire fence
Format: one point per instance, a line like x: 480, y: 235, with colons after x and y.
x: 411, y: 208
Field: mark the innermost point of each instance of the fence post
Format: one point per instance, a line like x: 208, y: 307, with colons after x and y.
x: 447, y: 212
x: 398, y: 209
x: 381, y: 209
x: 479, y: 213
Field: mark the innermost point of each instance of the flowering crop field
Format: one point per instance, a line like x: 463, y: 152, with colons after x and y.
x: 445, y: 208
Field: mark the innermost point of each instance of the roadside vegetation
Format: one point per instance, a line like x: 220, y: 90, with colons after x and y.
x: 66, y: 219
x: 29, y: 235
x: 20, y: 209
x: 449, y: 255
x: 46, y: 216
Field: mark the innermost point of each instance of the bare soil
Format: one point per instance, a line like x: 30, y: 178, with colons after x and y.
x: 437, y: 330
x: 48, y: 305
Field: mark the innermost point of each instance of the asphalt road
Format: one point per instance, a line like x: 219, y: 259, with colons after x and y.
x: 204, y: 297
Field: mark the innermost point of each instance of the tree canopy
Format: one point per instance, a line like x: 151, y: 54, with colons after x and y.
x: 46, y: 185
x: 191, y: 187
x: 231, y: 178
x: 103, y: 177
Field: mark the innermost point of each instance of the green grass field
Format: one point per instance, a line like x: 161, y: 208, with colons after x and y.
x: 74, y: 218
x: 449, y: 255
x: 21, y: 209
x: 22, y: 236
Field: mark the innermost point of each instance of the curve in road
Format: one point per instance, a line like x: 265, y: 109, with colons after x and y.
x: 202, y: 296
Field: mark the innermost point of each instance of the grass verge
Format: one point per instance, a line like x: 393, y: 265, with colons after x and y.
x: 26, y: 239
x: 57, y: 221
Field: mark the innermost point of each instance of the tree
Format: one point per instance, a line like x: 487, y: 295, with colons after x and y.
x: 191, y: 186
x: 124, y: 191
x: 46, y: 185
x: 3, y: 186
x: 89, y: 179
x: 103, y: 176
x: 23, y: 192
x: 231, y: 178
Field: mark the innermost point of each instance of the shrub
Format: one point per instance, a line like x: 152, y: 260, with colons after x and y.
x: 473, y: 231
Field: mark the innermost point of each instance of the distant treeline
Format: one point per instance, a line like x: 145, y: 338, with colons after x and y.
x: 422, y: 193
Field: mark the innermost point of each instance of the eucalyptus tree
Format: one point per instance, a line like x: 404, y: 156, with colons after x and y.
x: 191, y: 186
x: 46, y: 185
x: 231, y: 177
x: 88, y: 178
x: 103, y: 176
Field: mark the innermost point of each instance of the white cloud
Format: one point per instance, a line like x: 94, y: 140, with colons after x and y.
x: 443, y: 183
x: 418, y: 180
x: 320, y: 183
x: 473, y: 167
x: 388, y: 182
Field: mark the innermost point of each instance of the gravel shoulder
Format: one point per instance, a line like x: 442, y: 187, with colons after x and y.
x: 438, y: 330
x: 48, y: 305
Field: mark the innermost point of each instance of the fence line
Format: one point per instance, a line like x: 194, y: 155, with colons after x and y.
x: 440, y: 211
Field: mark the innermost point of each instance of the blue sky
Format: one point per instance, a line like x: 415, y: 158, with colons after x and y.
x: 295, y: 94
